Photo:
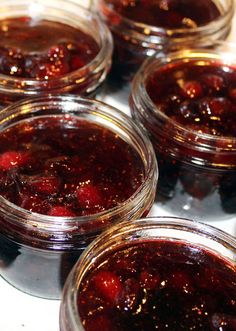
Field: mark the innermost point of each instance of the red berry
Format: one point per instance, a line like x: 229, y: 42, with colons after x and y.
x: 219, y: 106
x: 214, y: 83
x: 89, y: 196
x: 108, y: 285
x: 191, y: 89
x: 61, y: 211
x: 13, y: 159
x: 46, y: 185
x: 49, y: 70
x: 58, y: 51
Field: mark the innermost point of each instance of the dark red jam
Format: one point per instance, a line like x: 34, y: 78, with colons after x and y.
x: 159, y: 285
x: 171, y: 14
x: 198, y: 94
x: 194, y: 97
x: 42, y: 49
x: 65, y: 166
x: 134, y: 43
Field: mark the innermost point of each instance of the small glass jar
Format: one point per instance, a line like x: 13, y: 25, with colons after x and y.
x: 175, y: 289
x: 135, y: 41
x: 83, y: 79
x: 37, y: 251
x: 197, y: 168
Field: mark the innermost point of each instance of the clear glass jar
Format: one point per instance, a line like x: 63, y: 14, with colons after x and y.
x: 200, y: 239
x: 85, y: 80
x: 37, y: 251
x: 135, y: 41
x: 197, y: 169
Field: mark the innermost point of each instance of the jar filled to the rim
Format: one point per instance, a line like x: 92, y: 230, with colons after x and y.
x: 156, y: 273
x: 69, y: 168
x: 51, y: 47
x: 142, y: 28
x: 186, y: 102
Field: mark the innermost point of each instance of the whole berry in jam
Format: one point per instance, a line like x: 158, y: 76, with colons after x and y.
x: 43, y: 49
x: 64, y: 166
x: 13, y: 159
x: 173, y: 286
x: 108, y: 284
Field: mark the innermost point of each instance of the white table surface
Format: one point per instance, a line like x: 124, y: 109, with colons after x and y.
x: 21, y: 312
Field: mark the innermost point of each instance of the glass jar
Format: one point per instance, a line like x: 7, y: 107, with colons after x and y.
x: 80, y: 78
x: 135, y: 40
x: 37, y: 250
x: 197, y: 167
x: 177, y: 269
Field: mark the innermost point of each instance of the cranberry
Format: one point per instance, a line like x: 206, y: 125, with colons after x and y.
x: 13, y: 159
x: 214, y: 83
x: 58, y: 52
x: 108, y: 285
x: 191, y: 89
x: 89, y: 196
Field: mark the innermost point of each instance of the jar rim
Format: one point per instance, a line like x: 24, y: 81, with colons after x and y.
x: 112, y: 238
x: 123, y: 122
x: 105, y: 51
x: 227, y: 15
x: 140, y: 95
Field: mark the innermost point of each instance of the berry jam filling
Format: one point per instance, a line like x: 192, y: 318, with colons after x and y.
x: 42, y: 49
x: 64, y: 166
x: 159, y: 285
x: 186, y: 14
x: 198, y: 94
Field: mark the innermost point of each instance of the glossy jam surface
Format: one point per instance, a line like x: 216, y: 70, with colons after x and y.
x: 171, y: 14
x: 42, y: 49
x: 159, y: 285
x: 198, y: 94
x: 64, y: 166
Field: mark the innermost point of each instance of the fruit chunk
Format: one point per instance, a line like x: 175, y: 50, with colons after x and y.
x: 89, y: 196
x: 108, y: 285
x: 13, y: 159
